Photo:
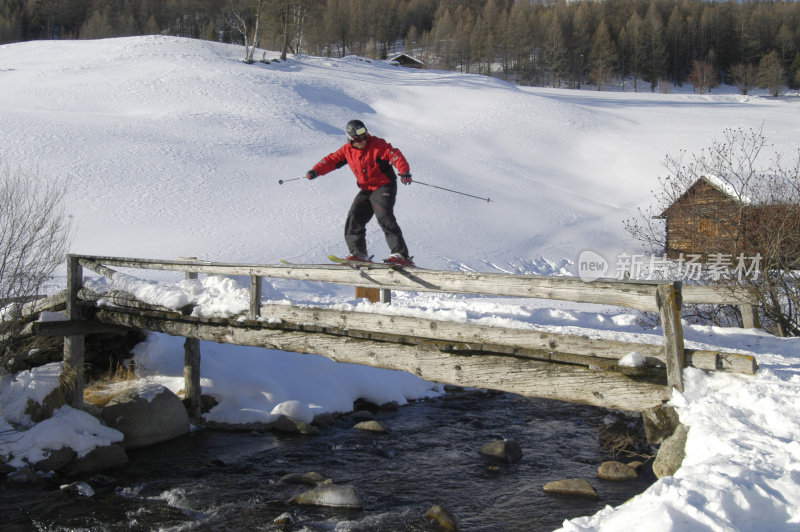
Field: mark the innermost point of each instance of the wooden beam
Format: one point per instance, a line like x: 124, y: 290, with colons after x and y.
x: 74, y: 346
x: 640, y: 295
x: 513, y: 374
x: 73, y: 327
x: 32, y: 309
x: 482, y: 336
x: 718, y: 295
x: 121, y: 299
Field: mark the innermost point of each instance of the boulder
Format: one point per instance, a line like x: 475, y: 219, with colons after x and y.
x: 659, y: 423
x: 290, y: 426
x: 441, y: 519
x: 372, y: 426
x: 671, y: 453
x: 331, y: 495
x: 502, y: 450
x: 572, y: 487
x: 52, y: 402
x: 98, y: 459
x: 146, y: 413
x: 81, y: 488
x: 55, y: 460
x: 616, y: 471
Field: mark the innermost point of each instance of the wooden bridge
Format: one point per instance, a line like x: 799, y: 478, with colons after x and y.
x: 522, y: 361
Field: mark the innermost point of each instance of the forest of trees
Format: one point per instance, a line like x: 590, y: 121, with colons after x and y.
x: 561, y: 44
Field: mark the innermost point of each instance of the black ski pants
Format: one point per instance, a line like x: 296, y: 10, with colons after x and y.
x: 379, y: 203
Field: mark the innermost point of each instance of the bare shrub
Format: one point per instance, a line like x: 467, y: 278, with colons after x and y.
x: 34, y: 236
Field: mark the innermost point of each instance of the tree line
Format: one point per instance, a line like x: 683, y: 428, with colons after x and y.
x: 561, y: 44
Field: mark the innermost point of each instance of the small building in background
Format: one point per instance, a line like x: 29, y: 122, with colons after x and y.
x: 406, y: 60
x: 712, y: 218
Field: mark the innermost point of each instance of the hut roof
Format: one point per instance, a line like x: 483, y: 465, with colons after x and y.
x: 720, y: 185
x: 405, y: 59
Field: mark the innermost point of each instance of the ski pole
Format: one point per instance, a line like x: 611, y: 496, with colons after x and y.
x: 282, y: 181
x: 454, y: 191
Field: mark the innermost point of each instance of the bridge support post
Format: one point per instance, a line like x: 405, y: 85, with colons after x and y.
x: 669, y: 305
x: 749, y: 316
x: 191, y: 374
x: 74, y: 346
x: 255, y: 297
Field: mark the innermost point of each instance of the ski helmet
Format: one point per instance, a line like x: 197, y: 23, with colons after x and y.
x: 355, y: 128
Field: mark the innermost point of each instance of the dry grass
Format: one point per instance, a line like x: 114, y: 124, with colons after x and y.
x: 100, y: 391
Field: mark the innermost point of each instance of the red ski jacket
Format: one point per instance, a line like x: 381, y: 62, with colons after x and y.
x: 371, y: 165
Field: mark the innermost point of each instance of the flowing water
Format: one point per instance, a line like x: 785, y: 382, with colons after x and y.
x: 214, y: 480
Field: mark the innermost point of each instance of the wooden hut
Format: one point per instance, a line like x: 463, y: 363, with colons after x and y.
x: 702, y: 220
x: 406, y: 61
x: 710, y: 217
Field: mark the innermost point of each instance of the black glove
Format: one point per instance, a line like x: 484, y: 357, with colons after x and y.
x: 405, y: 178
x: 311, y: 174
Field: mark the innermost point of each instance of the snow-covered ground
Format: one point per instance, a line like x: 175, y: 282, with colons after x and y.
x: 172, y: 147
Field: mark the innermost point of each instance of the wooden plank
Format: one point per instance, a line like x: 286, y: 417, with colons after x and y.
x: 669, y: 307
x: 373, y: 295
x: 640, y: 295
x: 121, y: 299
x: 469, y: 333
x: 54, y: 303
x: 519, y: 375
x: 482, y: 335
x: 72, y: 328
x: 718, y: 295
x: 721, y: 361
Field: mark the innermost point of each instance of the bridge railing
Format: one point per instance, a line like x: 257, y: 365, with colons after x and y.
x: 651, y: 296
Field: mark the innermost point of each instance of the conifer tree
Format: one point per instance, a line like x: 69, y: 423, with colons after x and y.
x: 653, y: 59
x: 634, y: 29
x: 602, y: 56
x: 555, y: 49
x: 771, y: 74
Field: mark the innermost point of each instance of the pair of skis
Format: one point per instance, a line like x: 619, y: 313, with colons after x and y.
x: 356, y: 264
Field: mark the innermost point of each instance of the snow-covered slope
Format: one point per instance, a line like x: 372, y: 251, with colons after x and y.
x: 173, y: 147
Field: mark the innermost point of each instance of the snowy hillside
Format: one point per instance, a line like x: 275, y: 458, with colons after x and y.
x: 174, y: 147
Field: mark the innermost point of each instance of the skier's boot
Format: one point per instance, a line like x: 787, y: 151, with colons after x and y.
x: 358, y: 257
x: 396, y: 259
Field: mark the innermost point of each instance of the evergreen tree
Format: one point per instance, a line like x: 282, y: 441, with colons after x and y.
x: 98, y: 26
x: 634, y: 42
x: 675, y: 39
x: 580, y: 42
x: 654, y: 47
x: 555, y: 49
x: 771, y: 74
x: 602, y: 56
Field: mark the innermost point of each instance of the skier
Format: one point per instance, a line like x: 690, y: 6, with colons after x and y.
x: 371, y: 159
